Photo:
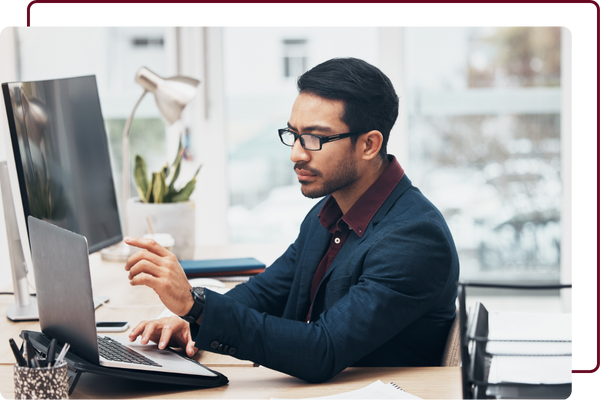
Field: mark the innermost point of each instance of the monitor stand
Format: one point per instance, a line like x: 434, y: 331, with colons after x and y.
x: 25, y: 306
x: 16, y: 313
x: 19, y: 312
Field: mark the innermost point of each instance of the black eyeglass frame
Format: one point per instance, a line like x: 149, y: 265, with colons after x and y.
x: 322, y: 139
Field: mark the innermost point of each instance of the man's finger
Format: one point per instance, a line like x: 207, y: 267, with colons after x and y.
x: 191, y: 349
x: 165, y: 336
x: 135, y: 332
x: 151, y: 331
x: 145, y: 279
x: 148, y: 244
x: 142, y: 255
x: 146, y: 267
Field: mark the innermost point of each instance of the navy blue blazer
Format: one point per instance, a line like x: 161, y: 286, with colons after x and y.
x: 388, y: 298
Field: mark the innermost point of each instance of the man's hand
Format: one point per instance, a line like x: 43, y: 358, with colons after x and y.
x: 157, y: 268
x: 171, y: 331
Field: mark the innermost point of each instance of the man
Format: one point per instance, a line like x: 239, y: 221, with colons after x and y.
x: 373, y: 270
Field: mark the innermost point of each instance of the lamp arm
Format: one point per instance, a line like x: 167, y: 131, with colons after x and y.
x: 126, y: 193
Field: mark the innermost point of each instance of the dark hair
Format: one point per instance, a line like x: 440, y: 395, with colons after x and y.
x: 370, y: 101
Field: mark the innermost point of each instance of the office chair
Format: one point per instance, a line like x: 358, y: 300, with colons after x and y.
x: 451, y: 355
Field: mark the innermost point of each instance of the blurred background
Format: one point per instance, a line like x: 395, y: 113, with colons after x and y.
x: 482, y: 131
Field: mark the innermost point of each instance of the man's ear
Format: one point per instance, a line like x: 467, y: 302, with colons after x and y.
x: 370, y: 144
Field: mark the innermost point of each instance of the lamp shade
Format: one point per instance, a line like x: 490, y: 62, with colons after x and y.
x: 171, y: 94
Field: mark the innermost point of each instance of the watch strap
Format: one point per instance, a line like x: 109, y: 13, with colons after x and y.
x: 198, y: 306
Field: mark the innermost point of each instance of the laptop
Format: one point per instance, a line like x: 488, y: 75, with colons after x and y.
x: 66, y: 307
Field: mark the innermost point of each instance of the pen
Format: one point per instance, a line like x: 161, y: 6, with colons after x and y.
x: 62, y: 353
x: 32, y: 360
x: 35, y: 363
x: 20, y: 360
x: 51, y: 353
x: 28, y: 349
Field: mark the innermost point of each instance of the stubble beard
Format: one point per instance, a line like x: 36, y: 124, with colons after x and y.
x: 344, y: 175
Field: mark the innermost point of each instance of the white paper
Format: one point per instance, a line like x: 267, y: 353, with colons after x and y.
x: 532, y: 370
x: 550, y: 332
x: 529, y: 348
x: 529, y: 326
x: 545, y: 360
x: 376, y: 390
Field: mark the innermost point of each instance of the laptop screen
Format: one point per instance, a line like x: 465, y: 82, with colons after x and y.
x: 64, y: 287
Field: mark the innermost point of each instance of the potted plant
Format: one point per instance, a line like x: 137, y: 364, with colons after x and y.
x: 167, y: 207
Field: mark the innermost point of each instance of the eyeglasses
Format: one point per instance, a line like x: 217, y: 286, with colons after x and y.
x: 309, y: 141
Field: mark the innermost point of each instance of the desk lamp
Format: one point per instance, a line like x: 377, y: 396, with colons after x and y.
x: 172, y: 96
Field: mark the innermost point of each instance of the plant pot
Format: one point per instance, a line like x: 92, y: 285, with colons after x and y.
x: 176, y: 219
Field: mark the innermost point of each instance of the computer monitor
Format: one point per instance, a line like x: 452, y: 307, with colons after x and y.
x: 61, y: 159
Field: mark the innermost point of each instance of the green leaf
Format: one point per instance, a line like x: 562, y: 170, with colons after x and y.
x: 175, y: 175
x: 198, y: 170
x: 140, y: 175
x: 149, y: 193
x: 176, y: 165
x: 175, y: 196
x: 179, y: 151
x: 157, y: 190
x: 165, y: 169
x: 185, y: 193
x: 159, y: 187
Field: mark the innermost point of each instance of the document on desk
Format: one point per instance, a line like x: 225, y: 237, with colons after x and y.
x: 514, y: 333
x: 530, y: 369
x: 376, y: 390
x: 533, y: 348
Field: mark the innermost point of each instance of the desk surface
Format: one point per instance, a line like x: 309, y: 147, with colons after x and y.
x: 264, y: 383
x: 135, y: 304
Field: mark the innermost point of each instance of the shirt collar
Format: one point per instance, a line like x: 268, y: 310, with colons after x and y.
x: 360, y: 214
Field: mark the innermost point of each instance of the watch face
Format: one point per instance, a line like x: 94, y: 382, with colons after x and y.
x: 198, y: 293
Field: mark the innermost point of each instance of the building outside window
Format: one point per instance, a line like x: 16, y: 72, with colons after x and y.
x: 484, y: 135
x: 294, y: 57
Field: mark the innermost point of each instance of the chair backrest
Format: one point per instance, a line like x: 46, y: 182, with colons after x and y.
x: 451, y: 356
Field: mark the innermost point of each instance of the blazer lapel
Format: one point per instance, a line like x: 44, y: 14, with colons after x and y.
x: 353, y: 240
x: 311, y: 258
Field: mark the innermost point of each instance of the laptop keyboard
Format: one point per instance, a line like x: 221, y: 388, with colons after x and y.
x: 114, y: 351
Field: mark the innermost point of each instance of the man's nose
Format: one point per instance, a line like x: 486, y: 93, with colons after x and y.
x: 299, y: 153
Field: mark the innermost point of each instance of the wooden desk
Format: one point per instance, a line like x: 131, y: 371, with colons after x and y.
x: 135, y: 304
x: 264, y: 383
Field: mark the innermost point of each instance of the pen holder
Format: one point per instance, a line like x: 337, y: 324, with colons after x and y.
x: 42, y: 383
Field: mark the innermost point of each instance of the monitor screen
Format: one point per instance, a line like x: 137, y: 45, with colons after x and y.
x: 62, y: 158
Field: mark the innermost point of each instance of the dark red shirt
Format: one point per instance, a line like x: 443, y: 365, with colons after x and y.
x: 356, y: 219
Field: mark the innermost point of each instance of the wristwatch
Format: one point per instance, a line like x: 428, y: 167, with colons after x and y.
x: 196, y: 311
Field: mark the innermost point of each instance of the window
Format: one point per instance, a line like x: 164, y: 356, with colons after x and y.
x: 484, y: 132
x: 113, y: 55
x: 294, y: 59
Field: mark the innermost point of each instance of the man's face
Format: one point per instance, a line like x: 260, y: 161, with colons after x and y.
x: 333, y: 168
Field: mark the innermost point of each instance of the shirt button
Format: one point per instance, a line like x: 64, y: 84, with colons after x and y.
x: 337, y: 240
